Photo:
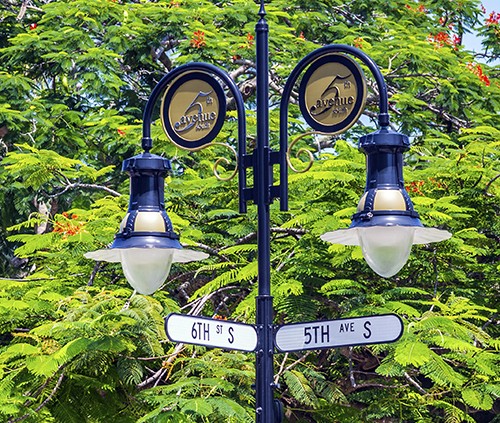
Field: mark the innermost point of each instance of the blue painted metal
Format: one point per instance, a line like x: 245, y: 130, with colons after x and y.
x: 147, y: 180
x: 384, y: 152
x: 265, y: 408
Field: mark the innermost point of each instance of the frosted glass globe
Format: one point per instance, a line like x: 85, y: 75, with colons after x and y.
x: 386, y: 248
x: 146, y: 268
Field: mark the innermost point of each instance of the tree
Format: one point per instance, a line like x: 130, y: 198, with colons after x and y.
x: 78, y: 345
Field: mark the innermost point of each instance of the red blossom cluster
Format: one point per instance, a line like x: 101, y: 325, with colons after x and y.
x: 493, y: 19
x: 420, y: 8
x: 68, y: 227
x: 219, y: 317
x: 198, y: 39
x: 442, y: 39
x: 358, y: 43
x: 415, y: 187
x: 437, y: 183
x: 443, y: 21
x: 476, y: 69
x: 250, y: 39
x: 248, y: 44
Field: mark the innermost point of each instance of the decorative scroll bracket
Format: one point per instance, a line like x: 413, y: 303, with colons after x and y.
x: 192, y: 85
x: 321, y: 57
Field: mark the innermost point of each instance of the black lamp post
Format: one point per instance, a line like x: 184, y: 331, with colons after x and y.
x: 385, y: 225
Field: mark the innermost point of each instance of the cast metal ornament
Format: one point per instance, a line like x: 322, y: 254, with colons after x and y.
x: 300, y: 152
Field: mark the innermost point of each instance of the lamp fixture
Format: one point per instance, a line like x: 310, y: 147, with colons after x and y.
x: 385, y: 224
x: 146, y: 245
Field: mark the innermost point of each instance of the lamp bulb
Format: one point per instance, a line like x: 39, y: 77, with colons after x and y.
x: 146, y: 269
x: 386, y: 248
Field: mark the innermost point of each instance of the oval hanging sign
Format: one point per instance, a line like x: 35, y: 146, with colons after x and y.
x: 193, y: 110
x: 332, y: 93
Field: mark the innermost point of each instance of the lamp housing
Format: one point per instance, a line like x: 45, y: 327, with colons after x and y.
x: 385, y: 224
x: 146, y: 244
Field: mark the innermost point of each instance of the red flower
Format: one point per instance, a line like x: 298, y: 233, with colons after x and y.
x: 358, y: 43
x: 420, y: 9
x: 219, y: 317
x: 121, y: 132
x: 476, y: 69
x: 442, y: 39
x: 494, y: 19
x: 415, y: 187
x: 250, y: 39
x: 198, y: 39
x: 68, y: 227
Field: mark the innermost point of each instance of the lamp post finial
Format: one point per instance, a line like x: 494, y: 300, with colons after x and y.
x: 262, y: 11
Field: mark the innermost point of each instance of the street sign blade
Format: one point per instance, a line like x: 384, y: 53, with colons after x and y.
x: 210, y: 332
x: 364, y: 330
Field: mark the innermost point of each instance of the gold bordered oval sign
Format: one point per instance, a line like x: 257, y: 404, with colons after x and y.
x: 193, y: 110
x: 332, y: 93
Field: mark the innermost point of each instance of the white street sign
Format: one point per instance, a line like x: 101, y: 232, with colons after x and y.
x: 211, y: 332
x: 339, y: 333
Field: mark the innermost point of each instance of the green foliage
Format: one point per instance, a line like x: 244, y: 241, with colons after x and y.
x: 77, y: 345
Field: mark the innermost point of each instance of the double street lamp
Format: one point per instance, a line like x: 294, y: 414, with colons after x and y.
x: 331, y: 97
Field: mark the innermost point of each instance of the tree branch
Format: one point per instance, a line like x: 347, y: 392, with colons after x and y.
x: 487, y: 187
x: 288, y: 231
x: 415, y: 384
x: 459, y: 123
x: 89, y: 186
x: 290, y: 366
x: 96, y: 269
x: 44, y: 402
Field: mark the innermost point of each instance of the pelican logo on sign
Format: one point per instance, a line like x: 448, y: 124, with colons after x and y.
x: 332, y: 93
x: 193, y: 110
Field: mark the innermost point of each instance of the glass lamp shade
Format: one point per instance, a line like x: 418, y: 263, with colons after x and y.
x: 146, y: 269
x: 386, y: 248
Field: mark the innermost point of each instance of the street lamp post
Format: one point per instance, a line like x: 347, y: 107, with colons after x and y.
x: 385, y: 225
